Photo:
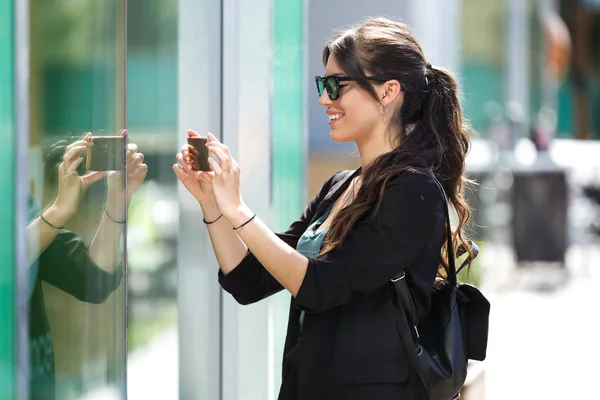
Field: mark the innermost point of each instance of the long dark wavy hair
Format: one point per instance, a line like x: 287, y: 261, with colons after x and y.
x: 428, y: 128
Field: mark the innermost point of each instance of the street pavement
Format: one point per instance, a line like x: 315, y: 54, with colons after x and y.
x: 544, y: 328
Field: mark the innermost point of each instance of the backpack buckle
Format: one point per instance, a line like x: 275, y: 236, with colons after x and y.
x: 400, y: 277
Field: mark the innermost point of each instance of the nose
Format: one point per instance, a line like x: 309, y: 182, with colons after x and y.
x: 324, y: 100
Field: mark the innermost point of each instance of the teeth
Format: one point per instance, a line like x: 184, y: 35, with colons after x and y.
x: 334, y: 116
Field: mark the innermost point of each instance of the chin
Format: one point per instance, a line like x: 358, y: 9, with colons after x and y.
x: 339, y: 136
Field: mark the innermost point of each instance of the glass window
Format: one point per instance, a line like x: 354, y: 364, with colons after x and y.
x: 288, y: 149
x: 7, y: 195
x: 79, y: 161
x: 154, y: 212
x: 482, y: 55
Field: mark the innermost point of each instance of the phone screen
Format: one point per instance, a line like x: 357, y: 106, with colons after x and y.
x: 107, y: 153
x: 199, y: 154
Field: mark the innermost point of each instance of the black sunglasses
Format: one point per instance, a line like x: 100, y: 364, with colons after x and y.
x: 332, y: 84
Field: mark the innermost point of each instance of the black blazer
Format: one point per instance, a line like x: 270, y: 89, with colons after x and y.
x: 66, y: 264
x: 349, y: 347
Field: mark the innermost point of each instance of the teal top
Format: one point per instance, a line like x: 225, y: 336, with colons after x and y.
x: 309, y: 244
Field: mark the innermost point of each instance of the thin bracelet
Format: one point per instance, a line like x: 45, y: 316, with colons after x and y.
x: 58, y: 228
x: 111, y: 218
x: 245, y: 223
x: 211, y: 222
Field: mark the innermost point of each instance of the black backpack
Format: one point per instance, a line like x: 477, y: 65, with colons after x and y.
x: 454, y: 331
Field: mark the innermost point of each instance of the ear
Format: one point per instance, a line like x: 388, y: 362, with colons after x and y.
x: 391, y: 92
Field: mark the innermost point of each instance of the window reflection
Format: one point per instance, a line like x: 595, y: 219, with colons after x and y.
x: 89, y: 271
x: 79, y: 187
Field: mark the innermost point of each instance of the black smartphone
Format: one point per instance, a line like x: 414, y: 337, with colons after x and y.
x: 107, y: 153
x: 199, y: 154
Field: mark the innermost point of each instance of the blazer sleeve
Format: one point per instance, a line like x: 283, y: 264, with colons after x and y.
x: 67, y: 264
x: 249, y: 281
x: 378, y: 248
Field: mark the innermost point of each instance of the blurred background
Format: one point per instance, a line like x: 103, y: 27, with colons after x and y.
x: 529, y: 71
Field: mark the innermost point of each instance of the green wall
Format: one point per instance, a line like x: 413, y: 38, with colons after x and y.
x: 7, y: 245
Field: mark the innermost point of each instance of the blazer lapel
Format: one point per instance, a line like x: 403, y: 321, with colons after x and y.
x: 336, y: 191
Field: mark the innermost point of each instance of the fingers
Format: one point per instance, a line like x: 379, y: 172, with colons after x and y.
x: 72, y: 167
x: 215, y: 167
x: 212, y: 138
x: 215, y: 143
x: 224, y: 159
x: 75, y: 150
x: 92, y: 177
x: 135, y: 161
x: 206, y: 176
x: 72, y: 159
x: 132, y: 150
x: 183, y: 162
x: 185, y: 149
x: 192, y: 133
x: 124, y: 133
x: 139, y: 171
x: 181, y: 173
x: 184, y: 174
x: 83, y: 142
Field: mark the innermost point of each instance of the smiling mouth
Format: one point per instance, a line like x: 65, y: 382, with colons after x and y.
x: 335, y: 117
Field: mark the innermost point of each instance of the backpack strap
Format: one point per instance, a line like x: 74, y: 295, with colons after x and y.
x: 403, y: 327
x: 407, y: 306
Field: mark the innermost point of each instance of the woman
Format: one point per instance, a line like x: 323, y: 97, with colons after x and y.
x: 362, y: 229
x: 61, y: 258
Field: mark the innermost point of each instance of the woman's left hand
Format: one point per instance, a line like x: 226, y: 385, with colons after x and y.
x: 226, y: 179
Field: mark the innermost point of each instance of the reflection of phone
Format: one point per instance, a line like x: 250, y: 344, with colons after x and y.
x: 107, y: 153
x: 199, y: 154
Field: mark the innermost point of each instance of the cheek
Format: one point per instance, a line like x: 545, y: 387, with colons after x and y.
x: 363, y: 116
x: 360, y: 107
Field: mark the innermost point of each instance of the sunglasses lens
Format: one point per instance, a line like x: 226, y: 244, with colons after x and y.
x: 332, y: 88
x: 320, y: 85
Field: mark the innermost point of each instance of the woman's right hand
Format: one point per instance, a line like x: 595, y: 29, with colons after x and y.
x: 72, y: 186
x: 198, y: 183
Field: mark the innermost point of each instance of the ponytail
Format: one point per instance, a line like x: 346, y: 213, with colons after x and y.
x: 442, y: 115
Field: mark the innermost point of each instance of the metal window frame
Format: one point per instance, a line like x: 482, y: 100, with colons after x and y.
x: 199, y: 294
x: 21, y: 91
x: 246, y: 128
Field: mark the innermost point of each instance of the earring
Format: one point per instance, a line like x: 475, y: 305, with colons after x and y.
x: 381, y: 110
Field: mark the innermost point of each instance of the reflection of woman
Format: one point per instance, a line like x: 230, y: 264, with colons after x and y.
x: 62, y: 259
x: 362, y: 229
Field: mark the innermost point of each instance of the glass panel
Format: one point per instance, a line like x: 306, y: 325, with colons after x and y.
x: 154, y: 212
x: 7, y: 194
x: 288, y: 151
x: 482, y: 61
x: 78, y: 199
